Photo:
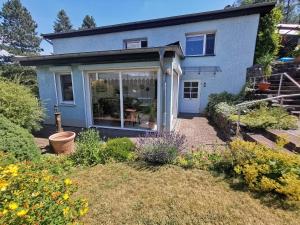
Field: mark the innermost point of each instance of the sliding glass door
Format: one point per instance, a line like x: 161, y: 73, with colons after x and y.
x: 105, y: 91
x: 124, y: 99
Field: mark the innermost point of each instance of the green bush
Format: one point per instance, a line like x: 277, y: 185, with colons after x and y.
x: 89, y: 149
x: 267, y: 170
x: 204, y: 160
x: 17, y: 141
x: 20, y: 106
x: 215, y: 99
x: 119, y: 149
x: 268, y: 117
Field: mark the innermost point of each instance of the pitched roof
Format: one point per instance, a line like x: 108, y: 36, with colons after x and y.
x: 262, y: 9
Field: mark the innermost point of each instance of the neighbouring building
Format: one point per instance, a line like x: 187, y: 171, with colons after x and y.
x: 141, y: 75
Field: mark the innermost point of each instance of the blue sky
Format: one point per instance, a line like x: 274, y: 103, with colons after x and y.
x: 108, y: 12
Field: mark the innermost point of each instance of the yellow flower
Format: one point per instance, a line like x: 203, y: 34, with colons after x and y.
x: 22, y: 212
x: 13, y: 206
x: 3, y: 185
x: 12, y: 169
x: 65, y: 196
x: 5, y: 211
x: 68, y: 181
x: 66, y: 211
x: 83, y: 211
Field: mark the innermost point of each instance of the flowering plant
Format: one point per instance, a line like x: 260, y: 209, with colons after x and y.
x: 160, y: 147
x: 32, y: 196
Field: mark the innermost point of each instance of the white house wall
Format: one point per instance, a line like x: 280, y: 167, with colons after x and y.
x: 234, y: 49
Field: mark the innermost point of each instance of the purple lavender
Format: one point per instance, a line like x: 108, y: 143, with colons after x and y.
x: 161, y: 147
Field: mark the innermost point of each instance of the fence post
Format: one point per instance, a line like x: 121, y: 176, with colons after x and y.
x: 280, y: 84
x: 238, y: 121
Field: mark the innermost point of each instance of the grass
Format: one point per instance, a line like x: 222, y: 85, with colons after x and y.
x: 169, y: 195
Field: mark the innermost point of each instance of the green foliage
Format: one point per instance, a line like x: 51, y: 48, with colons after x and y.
x: 268, y: 117
x: 265, y: 61
x: 17, y: 141
x: 204, y: 159
x: 19, y: 105
x: 18, y: 29
x: 215, y: 99
x: 30, y: 195
x: 21, y: 75
x: 120, y: 149
x: 89, y: 150
x: 268, y: 39
x: 267, y: 170
x: 88, y: 22
x: 62, y: 23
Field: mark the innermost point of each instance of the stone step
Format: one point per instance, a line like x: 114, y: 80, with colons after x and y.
x: 295, y: 113
x: 290, y: 107
x: 260, y: 139
x: 293, y: 139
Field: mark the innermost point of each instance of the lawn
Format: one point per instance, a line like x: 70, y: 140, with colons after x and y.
x: 132, y: 194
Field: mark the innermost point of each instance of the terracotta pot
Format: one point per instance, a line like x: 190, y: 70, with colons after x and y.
x: 63, y: 142
x: 297, y: 59
x: 263, y: 86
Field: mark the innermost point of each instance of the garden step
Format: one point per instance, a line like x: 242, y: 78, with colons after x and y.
x: 261, y: 139
x: 290, y: 107
x: 295, y: 113
x: 293, y: 138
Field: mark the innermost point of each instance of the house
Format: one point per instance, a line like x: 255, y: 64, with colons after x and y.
x: 141, y: 75
x: 290, y: 38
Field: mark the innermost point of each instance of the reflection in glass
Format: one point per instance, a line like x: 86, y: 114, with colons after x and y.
x: 140, y: 100
x: 105, y: 90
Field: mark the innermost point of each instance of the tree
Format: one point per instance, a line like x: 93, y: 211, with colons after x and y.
x: 18, y: 29
x: 268, y: 39
x: 62, y: 23
x: 88, y: 22
x: 290, y: 8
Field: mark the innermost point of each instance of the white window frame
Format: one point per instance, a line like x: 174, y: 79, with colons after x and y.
x: 137, y: 41
x: 198, y: 87
x: 204, y: 35
x: 59, y: 88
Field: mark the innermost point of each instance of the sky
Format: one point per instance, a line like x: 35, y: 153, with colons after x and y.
x: 108, y: 12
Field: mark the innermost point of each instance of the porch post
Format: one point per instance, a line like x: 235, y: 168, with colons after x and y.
x: 159, y: 100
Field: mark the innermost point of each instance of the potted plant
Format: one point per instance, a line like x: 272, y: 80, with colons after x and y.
x: 265, y: 61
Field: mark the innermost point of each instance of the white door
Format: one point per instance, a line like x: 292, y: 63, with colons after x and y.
x: 190, y: 96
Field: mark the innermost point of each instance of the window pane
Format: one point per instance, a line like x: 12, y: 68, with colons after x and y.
x: 144, y: 44
x: 140, y: 100
x: 210, y: 44
x: 194, y: 45
x: 133, y: 44
x: 187, y: 84
x: 194, y: 90
x: 187, y: 89
x: 194, y: 84
x: 66, y: 87
x: 186, y: 95
x: 194, y: 95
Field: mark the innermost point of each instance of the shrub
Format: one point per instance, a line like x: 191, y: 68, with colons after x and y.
x: 267, y: 170
x: 19, y: 105
x: 268, y: 117
x: 215, y: 99
x: 161, y: 147
x: 17, y: 141
x: 199, y: 159
x: 89, y: 149
x: 119, y: 149
x: 33, y: 196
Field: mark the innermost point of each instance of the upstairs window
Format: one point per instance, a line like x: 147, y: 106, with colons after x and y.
x: 135, y: 43
x: 200, y: 44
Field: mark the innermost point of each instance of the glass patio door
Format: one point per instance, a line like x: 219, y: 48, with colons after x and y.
x: 129, y: 102
x: 105, y: 91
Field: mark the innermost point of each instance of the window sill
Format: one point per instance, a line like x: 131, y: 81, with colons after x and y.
x: 199, y: 55
x: 67, y: 104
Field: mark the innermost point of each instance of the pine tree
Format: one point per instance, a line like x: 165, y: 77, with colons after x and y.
x: 62, y: 23
x: 18, y: 29
x: 88, y: 22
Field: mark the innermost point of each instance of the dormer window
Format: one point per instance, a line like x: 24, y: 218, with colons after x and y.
x: 136, y: 43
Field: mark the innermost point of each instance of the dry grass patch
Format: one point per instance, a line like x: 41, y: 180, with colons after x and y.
x: 136, y: 194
